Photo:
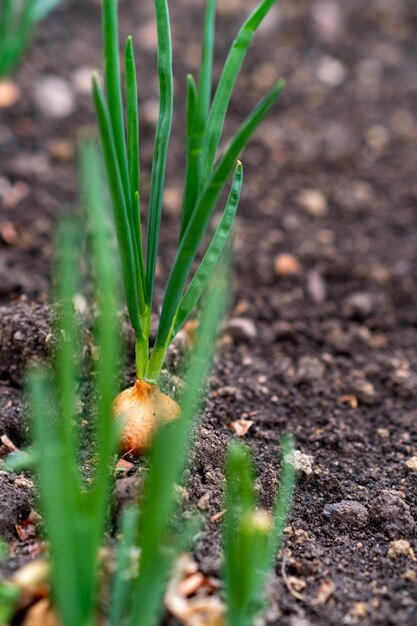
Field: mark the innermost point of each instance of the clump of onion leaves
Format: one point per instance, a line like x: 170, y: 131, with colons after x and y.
x: 205, y: 177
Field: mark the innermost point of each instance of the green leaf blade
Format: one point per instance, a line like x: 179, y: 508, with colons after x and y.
x: 182, y: 265
x: 162, y: 136
x: 244, y: 134
x: 206, y: 268
x: 192, y: 155
x: 227, y: 82
x: 114, y: 88
x: 120, y: 210
x: 205, y: 80
x: 132, y: 116
x: 169, y: 457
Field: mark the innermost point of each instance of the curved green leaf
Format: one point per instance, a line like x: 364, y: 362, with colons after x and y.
x: 206, y: 268
x: 201, y: 215
x: 227, y: 82
x: 182, y: 265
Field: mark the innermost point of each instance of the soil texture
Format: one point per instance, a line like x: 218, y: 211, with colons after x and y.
x: 322, y: 336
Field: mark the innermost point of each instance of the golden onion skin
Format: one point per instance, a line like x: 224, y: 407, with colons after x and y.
x: 141, y: 408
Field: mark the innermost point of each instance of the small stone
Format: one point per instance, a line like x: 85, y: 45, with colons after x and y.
x: 327, y: 18
x: 313, y: 201
x: 82, y: 78
x: 383, y: 433
x: 377, y: 138
x: 411, y: 464
x: 286, y: 265
x: 316, y: 287
x: 365, y: 392
x: 301, y: 536
x: 399, y: 547
x: 54, y: 97
x: 390, y: 511
x: 349, y: 512
x: 410, y: 575
x: 203, y: 502
x: 19, y: 336
x: 330, y: 71
x: 359, y: 609
x: 309, y: 370
x: 404, y: 382
x: 8, y: 232
x: 358, y: 306
x: 240, y: 329
x: 303, y: 464
x: 61, y: 149
x: 9, y: 94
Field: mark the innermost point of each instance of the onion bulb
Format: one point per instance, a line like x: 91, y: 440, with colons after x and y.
x: 141, y: 408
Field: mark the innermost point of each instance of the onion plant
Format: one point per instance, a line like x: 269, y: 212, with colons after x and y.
x: 206, y: 176
x: 252, y: 536
x: 75, y: 508
x: 18, y: 19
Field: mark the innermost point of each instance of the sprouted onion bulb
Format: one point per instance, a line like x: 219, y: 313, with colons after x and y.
x: 142, y: 407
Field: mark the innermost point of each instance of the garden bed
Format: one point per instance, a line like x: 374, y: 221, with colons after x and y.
x: 322, y: 340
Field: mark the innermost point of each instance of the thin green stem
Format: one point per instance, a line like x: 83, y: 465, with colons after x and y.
x: 141, y: 350
x: 114, y: 88
x: 162, y: 135
x: 155, y: 364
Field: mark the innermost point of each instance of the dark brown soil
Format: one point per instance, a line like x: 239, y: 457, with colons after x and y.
x: 328, y: 350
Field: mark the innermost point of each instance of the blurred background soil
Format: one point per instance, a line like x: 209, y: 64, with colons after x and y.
x: 322, y: 340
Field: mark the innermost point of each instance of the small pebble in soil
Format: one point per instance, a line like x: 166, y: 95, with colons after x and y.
x: 358, y: 306
x: 9, y: 94
x: 313, y: 201
x: 61, y: 149
x: 327, y: 20
x: 411, y: 464
x: 54, y: 97
x: 404, y: 383
x: 347, y: 512
x: 309, y: 370
x: 410, y: 575
x: 365, y: 392
x: 240, y: 329
x: 359, y: 610
x: 81, y: 79
x: 303, y: 464
x: 390, y: 511
x: 330, y: 71
x: 286, y: 264
x: 399, y: 547
x: 316, y: 287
